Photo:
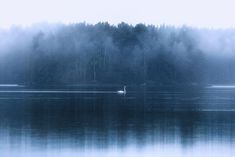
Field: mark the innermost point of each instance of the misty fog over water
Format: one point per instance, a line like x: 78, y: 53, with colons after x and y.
x: 101, y: 90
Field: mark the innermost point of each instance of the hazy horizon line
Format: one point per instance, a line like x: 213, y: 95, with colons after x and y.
x: 46, y: 23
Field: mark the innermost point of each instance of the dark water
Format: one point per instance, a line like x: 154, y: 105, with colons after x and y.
x: 146, y: 122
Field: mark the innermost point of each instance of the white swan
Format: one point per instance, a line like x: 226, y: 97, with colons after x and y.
x: 122, y: 91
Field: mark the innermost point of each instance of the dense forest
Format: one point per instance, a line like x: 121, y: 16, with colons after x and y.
x: 103, y: 53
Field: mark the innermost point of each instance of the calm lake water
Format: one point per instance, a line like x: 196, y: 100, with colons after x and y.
x: 146, y: 122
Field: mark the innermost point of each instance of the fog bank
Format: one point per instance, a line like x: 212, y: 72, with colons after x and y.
x: 104, y: 53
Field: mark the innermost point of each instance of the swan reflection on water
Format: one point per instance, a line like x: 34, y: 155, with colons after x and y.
x: 122, y: 91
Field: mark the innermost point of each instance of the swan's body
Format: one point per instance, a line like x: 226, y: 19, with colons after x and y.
x: 122, y: 91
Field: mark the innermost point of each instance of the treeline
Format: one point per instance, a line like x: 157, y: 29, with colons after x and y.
x: 104, y: 53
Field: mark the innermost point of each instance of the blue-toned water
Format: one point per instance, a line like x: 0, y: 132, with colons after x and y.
x: 95, y: 121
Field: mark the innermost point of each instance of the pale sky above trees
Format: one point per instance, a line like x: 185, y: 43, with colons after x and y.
x: 197, y: 13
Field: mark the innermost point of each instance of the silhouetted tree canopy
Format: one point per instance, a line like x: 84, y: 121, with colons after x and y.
x: 104, y: 53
